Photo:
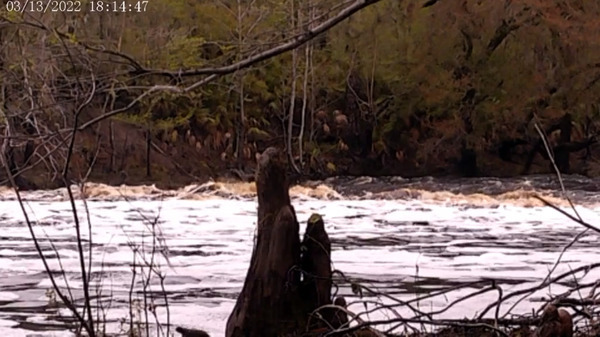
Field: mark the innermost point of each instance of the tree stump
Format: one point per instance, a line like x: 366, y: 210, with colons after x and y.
x: 340, y: 318
x: 283, y: 285
x: 555, y: 323
x: 316, y: 270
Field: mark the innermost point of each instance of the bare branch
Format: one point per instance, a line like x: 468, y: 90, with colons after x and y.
x: 298, y: 41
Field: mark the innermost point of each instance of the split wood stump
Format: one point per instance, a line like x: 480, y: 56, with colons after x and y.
x: 287, y: 280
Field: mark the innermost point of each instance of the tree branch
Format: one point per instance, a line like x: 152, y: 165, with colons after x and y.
x: 213, y: 73
x: 298, y: 41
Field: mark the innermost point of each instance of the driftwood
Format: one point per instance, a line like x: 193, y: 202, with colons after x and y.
x: 284, y: 285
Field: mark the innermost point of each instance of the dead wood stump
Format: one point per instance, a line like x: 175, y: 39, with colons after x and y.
x: 340, y: 318
x: 555, y: 323
x: 273, y: 300
x: 316, y: 270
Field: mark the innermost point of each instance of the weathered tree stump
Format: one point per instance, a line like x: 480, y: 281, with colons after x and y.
x: 274, y: 300
x: 340, y: 318
x: 555, y: 323
x: 316, y: 270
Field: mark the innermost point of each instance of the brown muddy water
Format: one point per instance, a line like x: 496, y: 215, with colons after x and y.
x: 404, y: 237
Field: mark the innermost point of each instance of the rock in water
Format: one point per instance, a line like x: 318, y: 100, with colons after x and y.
x: 191, y: 332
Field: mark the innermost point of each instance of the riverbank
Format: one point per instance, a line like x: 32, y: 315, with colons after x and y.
x: 175, y: 163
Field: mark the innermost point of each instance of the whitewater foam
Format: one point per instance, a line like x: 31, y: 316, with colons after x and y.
x: 493, y: 194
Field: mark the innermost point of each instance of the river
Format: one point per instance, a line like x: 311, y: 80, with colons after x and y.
x: 405, y: 237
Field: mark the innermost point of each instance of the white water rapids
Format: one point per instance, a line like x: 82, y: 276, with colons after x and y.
x: 405, y: 238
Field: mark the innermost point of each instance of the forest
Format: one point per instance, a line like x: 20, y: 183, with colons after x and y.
x: 175, y: 92
x: 409, y: 88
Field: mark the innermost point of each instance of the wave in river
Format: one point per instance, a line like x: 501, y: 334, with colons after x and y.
x: 479, y: 192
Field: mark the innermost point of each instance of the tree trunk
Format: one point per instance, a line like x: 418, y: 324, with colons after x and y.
x: 274, y: 301
x: 148, y: 145
x: 111, y: 142
x: 561, y: 154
